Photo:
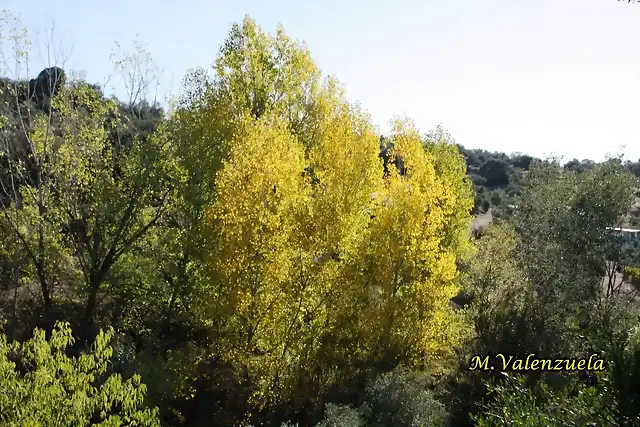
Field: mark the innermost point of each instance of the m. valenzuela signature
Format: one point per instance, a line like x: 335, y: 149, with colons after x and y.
x: 533, y: 363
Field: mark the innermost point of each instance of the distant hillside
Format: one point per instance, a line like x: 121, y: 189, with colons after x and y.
x: 497, y: 179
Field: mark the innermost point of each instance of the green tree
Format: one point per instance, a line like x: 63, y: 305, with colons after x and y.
x: 538, y: 287
x: 41, y: 385
x: 403, y: 398
x: 495, y: 172
x: 110, y: 195
x: 563, y: 221
x: 25, y: 182
x: 83, y: 191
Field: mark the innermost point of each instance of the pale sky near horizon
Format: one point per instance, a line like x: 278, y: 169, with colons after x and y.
x: 541, y: 77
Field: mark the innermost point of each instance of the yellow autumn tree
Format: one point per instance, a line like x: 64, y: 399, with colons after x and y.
x: 320, y: 262
x: 411, y: 253
x: 258, y: 262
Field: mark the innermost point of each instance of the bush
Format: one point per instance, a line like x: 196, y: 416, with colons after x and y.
x: 403, y: 398
x: 400, y: 398
x: 515, y: 404
x: 341, y: 416
x: 496, y: 199
x: 633, y: 273
x: 478, y: 180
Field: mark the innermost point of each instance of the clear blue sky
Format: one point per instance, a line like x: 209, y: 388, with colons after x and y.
x: 540, y: 76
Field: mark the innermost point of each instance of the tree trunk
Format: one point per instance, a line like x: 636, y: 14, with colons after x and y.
x: 88, y: 320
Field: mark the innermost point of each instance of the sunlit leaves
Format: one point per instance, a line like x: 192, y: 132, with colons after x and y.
x: 315, y: 257
x: 50, y: 388
x: 317, y: 243
x: 411, y: 269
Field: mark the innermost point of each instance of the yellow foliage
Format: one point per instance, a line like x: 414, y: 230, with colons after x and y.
x: 633, y: 272
x: 319, y: 258
x: 412, y: 273
x: 261, y: 198
x: 304, y: 242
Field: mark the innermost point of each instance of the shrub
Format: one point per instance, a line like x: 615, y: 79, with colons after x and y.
x: 341, y: 416
x: 403, y: 399
x: 515, y: 404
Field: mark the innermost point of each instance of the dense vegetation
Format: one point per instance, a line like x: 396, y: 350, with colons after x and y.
x: 258, y: 255
x: 497, y: 180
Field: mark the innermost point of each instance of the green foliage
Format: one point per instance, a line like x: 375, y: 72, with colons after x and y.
x: 517, y: 404
x: 398, y: 398
x: 613, y: 329
x: 495, y: 173
x: 562, y: 221
x: 537, y: 281
x: 633, y: 273
x: 41, y: 385
x: 341, y: 416
x: 263, y: 255
x: 403, y: 399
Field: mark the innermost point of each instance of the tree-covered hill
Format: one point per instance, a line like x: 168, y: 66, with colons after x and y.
x: 497, y: 179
